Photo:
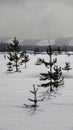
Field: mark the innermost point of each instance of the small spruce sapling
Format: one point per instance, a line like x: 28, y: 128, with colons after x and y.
x: 10, y: 67
x: 59, y: 50
x: 35, y: 100
x: 38, y: 62
x: 36, y: 51
x: 48, y: 76
x: 10, y: 64
x: 53, y: 76
x: 24, y: 58
x: 4, y: 56
x: 13, y: 55
x: 57, y: 77
x: 67, y: 66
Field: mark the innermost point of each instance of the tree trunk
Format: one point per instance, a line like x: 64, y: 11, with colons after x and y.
x: 51, y: 89
x: 25, y: 64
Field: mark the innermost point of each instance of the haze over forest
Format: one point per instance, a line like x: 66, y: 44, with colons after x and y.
x: 40, y: 42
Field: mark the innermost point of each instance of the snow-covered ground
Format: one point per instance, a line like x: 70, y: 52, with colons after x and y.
x: 55, y: 113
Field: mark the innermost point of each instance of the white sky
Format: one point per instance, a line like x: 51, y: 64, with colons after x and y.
x: 36, y: 18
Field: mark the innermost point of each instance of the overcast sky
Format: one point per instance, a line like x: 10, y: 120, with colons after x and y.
x: 36, y: 18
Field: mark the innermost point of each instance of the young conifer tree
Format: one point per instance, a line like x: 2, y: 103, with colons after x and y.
x: 67, y: 66
x: 49, y: 64
x: 50, y: 75
x: 24, y: 58
x: 10, y: 67
x: 38, y: 62
x: 57, y: 77
x: 34, y: 100
x: 13, y: 55
x: 34, y: 92
x: 36, y: 51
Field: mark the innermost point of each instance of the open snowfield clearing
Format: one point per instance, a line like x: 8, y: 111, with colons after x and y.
x: 55, y: 113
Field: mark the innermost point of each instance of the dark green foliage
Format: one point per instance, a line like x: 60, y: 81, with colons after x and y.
x: 34, y: 92
x: 35, y: 100
x: 10, y: 67
x: 49, y: 64
x: 48, y: 76
x: 49, y: 50
x: 10, y: 56
x: 15, y: 47
x: 36, y: 50
x: 59, y: 50
x: 67, y: 66
x: 14, y: 55
x: 57, y: 77
x: 24, y: 58
x: 58, y: 73
x: 53, y: 77
x: 45, y: 76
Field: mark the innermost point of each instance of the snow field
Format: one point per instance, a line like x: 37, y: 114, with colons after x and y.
x: 55, y: 113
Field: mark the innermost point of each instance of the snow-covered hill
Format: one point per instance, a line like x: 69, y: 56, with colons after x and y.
x: 41, y: 42
x: 49, y: 41
x: 55, y: 113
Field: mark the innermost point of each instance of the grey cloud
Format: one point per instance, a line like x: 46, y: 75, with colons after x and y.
x: 12, y: 1
x: 70, y: 2
x: 65, y: 2
x: 36, y: 18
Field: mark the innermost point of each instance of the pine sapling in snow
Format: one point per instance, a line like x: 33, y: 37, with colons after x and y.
x: 34, y: 100
x: 14, y: 55
x: 50, y: 80
x: 38, y: 62
x: 67, y: 66
x: 49, y: 64
x: 24, y: 58
x: 36, y: 51
x: 10, y: 67
x: 58, y: 78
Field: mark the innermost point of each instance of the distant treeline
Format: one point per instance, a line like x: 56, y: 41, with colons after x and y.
x: 4, y: 47
x: 43, y: 48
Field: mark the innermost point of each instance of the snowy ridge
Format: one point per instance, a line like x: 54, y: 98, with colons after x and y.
x: 46, y: 42
x: 41, y: 42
